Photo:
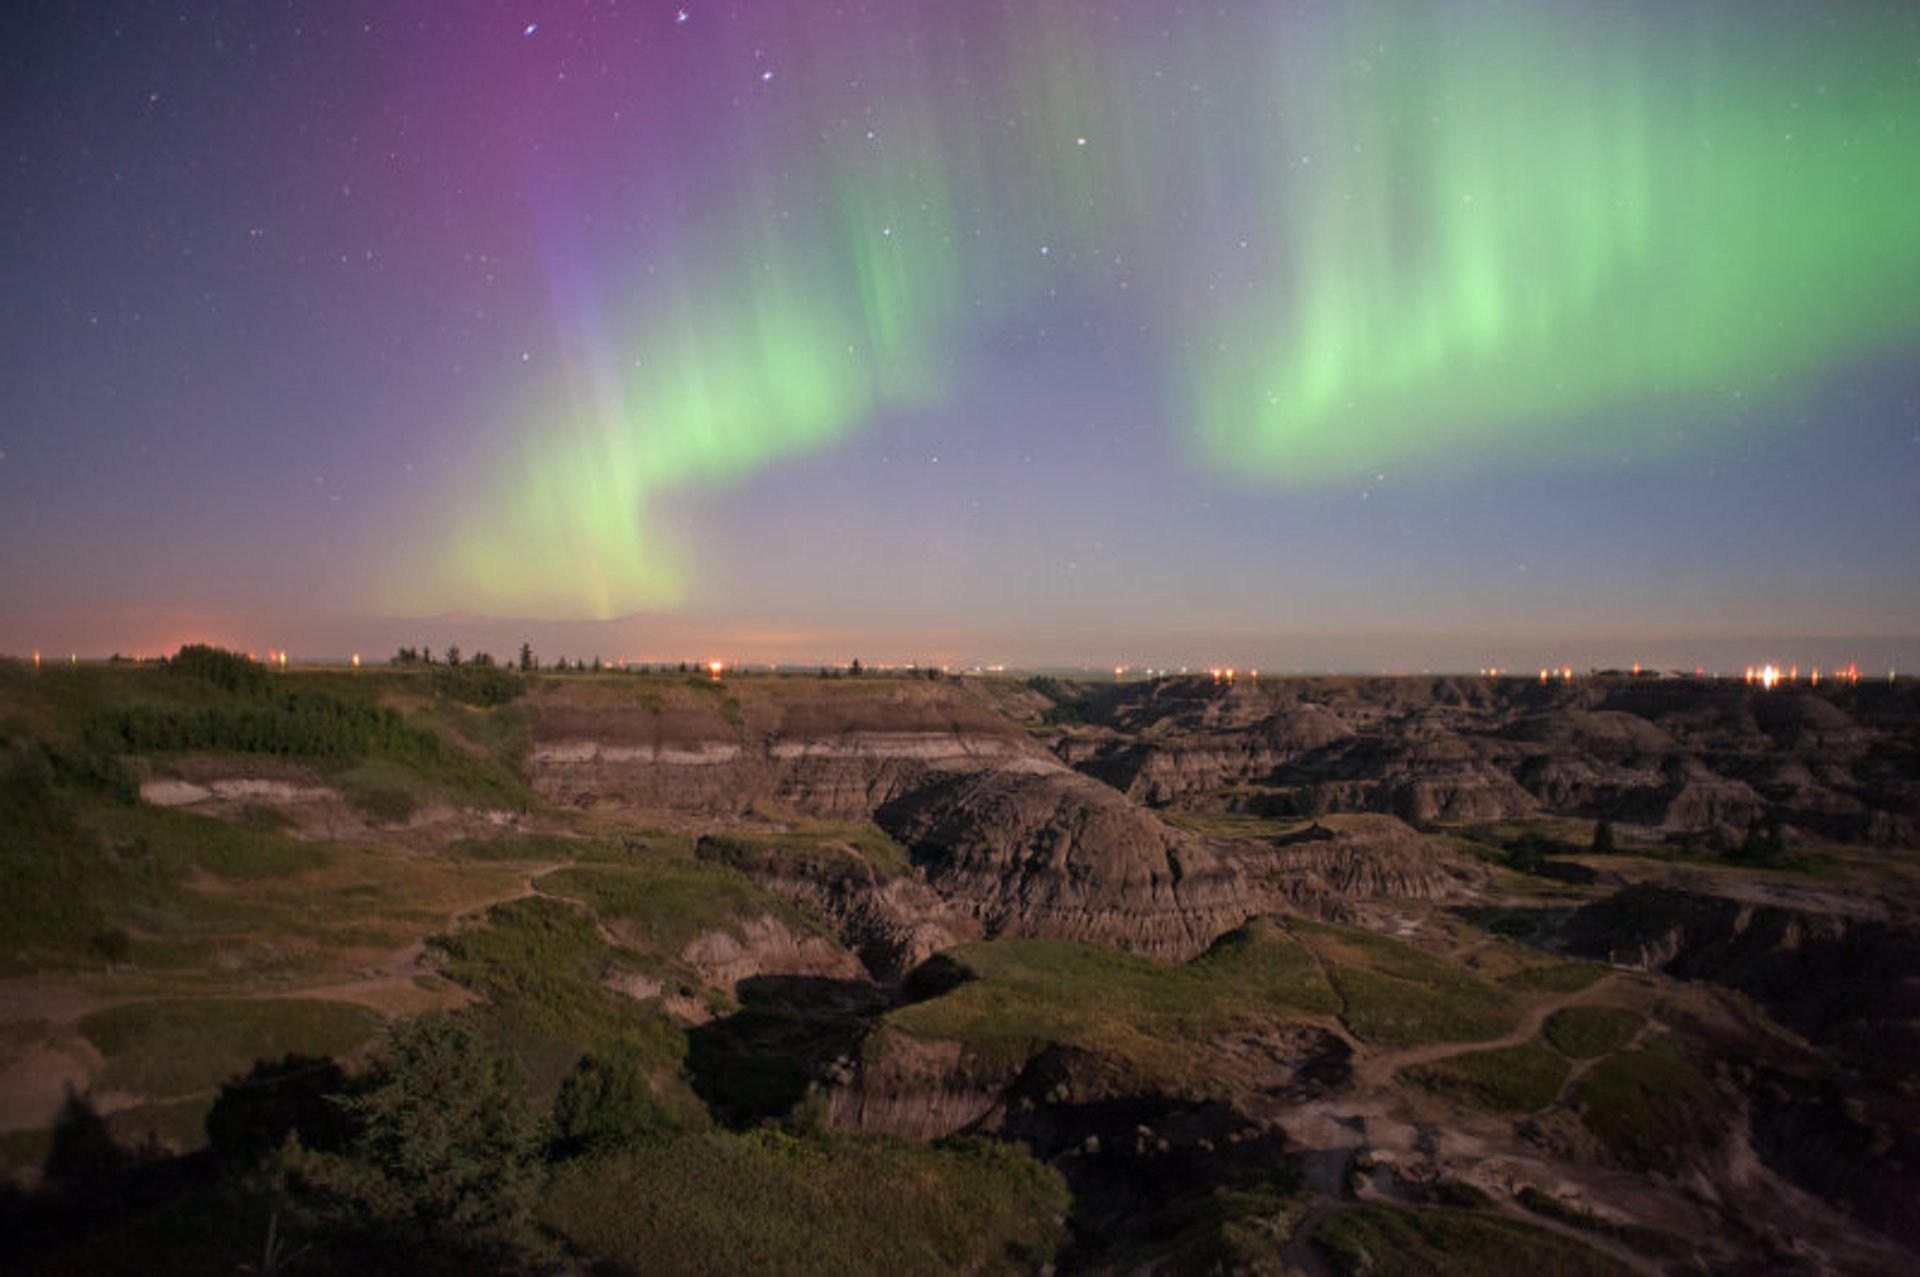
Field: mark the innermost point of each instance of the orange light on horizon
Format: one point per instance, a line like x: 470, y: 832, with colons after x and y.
x: 715, y: 669
x: 356, y: 660
x: 1769, y: 676
x: 36, y: 658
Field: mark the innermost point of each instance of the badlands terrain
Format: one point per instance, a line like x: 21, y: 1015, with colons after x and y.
x: 890, y: 973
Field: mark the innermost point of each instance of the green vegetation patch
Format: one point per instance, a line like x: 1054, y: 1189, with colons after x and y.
x: 209, y: 701
x: 532, y: 849
x: 1030, y: 994
x: 1555, y: 977
x: 1588, y: 1032
x: 543, y: 969
x: 1396, y: 995
x: 765, y: 1202
x: 1650, y: 1107
x: 81, y: 867
x: 1385, y: 1241
x: 664, y: 904
x: 1515, y: 1079
x: 179, y: 1048
x: 817, y: 852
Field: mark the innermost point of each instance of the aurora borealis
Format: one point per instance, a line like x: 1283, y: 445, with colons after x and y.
x: 1033, y: 331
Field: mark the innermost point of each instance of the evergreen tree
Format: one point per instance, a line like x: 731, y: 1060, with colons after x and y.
x: 445, y: 1155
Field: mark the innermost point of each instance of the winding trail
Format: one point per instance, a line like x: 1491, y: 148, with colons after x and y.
x: 1379, y: 1070
x: 44, y: 1057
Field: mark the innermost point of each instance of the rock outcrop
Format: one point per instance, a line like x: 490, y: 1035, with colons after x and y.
x: 834, y: 754
x: 1678, y: 756
x: 1040, y: 850
x: 1346, y: 860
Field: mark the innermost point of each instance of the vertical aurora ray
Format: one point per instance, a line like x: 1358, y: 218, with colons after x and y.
x: 786, y: 319
x: 1532, y: 219
x: 1393, y: 234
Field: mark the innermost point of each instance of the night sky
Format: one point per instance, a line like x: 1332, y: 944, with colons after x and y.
x: 1305, y: 335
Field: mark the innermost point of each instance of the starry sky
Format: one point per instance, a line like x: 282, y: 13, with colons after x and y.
x: 1058, y: 331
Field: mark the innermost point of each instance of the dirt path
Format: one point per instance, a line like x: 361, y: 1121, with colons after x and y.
x: 1378, y: 1070
x: 391, y: 987
x: 44, y: 1056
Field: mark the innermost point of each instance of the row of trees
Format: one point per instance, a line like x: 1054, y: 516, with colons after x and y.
x: 296, y: 724
x: 453, y: 658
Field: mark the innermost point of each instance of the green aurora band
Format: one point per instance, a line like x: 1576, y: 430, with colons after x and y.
x: 1527, y: 232
x: 1393, y: 236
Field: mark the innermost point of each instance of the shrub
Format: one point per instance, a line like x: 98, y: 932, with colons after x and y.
x: 604, y: 1103
x: 444, y: 1158
x: 228, y: 671
x: 253, y: 1115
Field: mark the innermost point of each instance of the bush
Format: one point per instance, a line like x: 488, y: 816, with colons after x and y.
x: 484, y: 685
x: 444, y: 1158
x: 253, y: 1115
x: 605, y: 1103
x: 228, y: 671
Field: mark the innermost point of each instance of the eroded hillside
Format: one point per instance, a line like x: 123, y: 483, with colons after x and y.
x: 1315, y: 975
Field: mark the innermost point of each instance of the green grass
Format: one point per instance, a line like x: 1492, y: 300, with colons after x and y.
x: 815, y: 851
x: 540, y: 965
x: 181, y: 1047
x: 1555, y: 977
x: 531, y: 848
x: 1031, y: 994
x: 664, y: 904
x: 1393, y: 994
x: 1587, y: 1032
x: 1650, y: 1107
x: 1515, y: 1079
x: 236, y: 852
x: 719, y: 1203
x: 79, y: 866
x: 1386, y: 1241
